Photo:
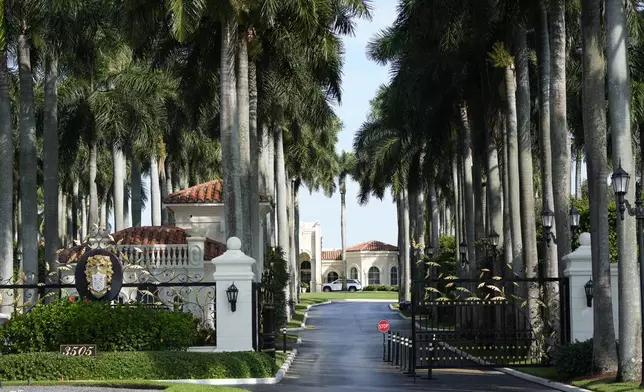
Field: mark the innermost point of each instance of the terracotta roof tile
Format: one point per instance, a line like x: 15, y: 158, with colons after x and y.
x: 207, y: 192
x: 149, y: 235
x: 373, y: 246
x: 335, y: 254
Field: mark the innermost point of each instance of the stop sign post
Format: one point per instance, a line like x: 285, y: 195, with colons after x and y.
x: 383, y: 326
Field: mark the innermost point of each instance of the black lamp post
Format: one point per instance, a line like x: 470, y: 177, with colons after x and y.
x: 620, y: 180
x: 574, y: 220
x: 588, y: 288
x: 547, y: 221
x: 493, y: 239
x: 231, y: 294
x: 463, y: 250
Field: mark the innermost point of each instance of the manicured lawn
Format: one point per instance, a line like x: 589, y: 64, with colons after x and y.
x: 540, y: 371
x: 607, y: 385
x: 136, y: 384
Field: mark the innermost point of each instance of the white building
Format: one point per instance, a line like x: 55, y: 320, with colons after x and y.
x: 371, y: 262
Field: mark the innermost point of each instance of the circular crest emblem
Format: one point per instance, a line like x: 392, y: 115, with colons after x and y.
x: 99, y: 275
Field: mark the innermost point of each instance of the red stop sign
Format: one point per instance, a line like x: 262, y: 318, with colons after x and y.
x: 383, y: 326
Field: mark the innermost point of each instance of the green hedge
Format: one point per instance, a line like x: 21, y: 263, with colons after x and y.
x: 380, y: 287
x: 574, y: 359
x: 151, y: 365
x: 111, y: 328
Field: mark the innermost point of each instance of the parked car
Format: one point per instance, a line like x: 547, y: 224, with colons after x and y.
x: 336, y: 285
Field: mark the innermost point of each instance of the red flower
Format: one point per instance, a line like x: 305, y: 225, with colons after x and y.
x: 85, y: 300
x: 72, y: 299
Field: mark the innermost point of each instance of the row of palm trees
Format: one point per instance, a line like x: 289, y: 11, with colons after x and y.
x: 476, y: 126
x: 95, y: 93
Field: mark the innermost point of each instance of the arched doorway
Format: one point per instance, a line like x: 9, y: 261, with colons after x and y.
x: 332, y: 276
x: 305, y: 275
x: 305, y: 271
x: 393, y: 276
x: 374, y: 275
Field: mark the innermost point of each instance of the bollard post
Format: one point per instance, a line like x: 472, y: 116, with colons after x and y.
x: 404, y: 353
x: 284, y: 340
x: 389, y: 346
x: 384, y: 347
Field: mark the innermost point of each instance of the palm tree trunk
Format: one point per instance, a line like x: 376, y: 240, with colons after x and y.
x: 594, y: 120
x: 136, y: 191
x: 243, y: 111
x: 619, y: 111
x: 75, y: 200
x: 61, y: 218
x: 434, y: 213
x: 104, y: 213
x: 270, y: 184
x: 401, y: 245
x: 291, y: 229
x: 406, y: 270
x: 155, y: 191
x: 479, y: 204
x: 296, y: 237
x: 50, y: 159
x: 578, y: 163
x: 495, y: 199
x: 468, y: 189
x: 343, y: 229
x: 229, y: 132
x: 458, y: 226
x: 551, y: 263
x: 507, y: 214
x: 526, y: 178
x: 518, y: 267
x: 117, y: 186
x: 93, y: 191
x: 28, y: 165
x: 559, y: 141
x: 255, y: 166
x: 168, y: 188
x: 83, y: 224
x: 6, y: 181
x: 282, y: 206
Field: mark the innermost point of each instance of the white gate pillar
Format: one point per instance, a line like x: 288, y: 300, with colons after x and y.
x: 234, y: 329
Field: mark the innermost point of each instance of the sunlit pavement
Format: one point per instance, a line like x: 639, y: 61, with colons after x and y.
x: 343, y: 352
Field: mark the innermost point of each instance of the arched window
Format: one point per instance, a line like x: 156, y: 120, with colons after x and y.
x: 374, y: 275
x: 305, y: 272
x: 393, y: 276
x: 353, y: 273
x: 305, y: 265
x: 331, y: 276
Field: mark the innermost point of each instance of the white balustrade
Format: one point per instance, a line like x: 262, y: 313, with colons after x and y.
x: 168, y: 256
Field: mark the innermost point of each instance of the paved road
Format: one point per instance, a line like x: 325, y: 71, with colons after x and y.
x: 344, y: 353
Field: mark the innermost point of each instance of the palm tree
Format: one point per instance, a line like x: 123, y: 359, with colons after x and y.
x: 6, y: 165
x: 604, y: 351
x: 619, y: 99
x: 346, y: 163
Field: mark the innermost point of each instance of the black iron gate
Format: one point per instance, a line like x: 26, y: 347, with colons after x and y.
x: 494, y: 322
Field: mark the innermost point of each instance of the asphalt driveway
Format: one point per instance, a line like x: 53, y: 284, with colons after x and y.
x: 343, y: 352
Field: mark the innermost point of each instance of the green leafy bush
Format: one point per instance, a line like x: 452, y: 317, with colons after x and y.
x: 275, y: 280
x: 574, y: 359
x: 151, y: 365
x: 111, y: 328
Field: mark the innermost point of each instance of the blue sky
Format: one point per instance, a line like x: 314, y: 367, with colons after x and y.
x: 362, y: 77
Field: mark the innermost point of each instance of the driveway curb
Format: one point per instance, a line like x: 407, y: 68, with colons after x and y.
x: 244, y: 381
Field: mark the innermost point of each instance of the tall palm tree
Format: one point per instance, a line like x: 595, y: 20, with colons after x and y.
x: 604, y: 351
x: 346, y: 163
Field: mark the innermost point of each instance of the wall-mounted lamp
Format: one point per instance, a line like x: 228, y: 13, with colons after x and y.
x: 588, y: 288
x: 463, y: 250
x: 231, y: 293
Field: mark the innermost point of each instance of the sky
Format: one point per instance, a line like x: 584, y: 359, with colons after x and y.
x: 362, y: 77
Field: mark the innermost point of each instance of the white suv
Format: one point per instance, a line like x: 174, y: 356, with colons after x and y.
x: 336, y: 285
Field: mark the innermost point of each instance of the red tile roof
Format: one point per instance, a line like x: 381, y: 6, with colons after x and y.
x: 148, y: 235
x: 335, y: 254
x: 369, y: 246
x: 207, y: 192
x: 373, y: 246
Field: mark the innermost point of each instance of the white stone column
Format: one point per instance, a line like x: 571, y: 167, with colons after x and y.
x: 196, y: 249
x: 579, y: 271
x: 234, y: 329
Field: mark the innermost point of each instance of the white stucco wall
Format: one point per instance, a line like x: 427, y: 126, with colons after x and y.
x: 311, y: 247
x: 579, y: 271
x: 363, y: 261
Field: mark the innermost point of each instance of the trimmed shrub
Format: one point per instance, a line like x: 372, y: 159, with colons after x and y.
x: 380, y: 287
x: 111, y: 328
x: 574, y: 359
x: 151, y: 365
x: 275, y: 280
